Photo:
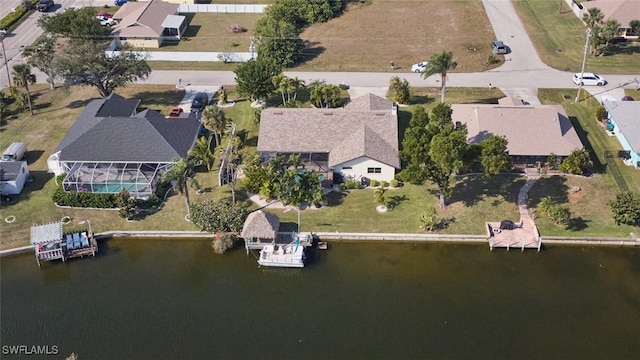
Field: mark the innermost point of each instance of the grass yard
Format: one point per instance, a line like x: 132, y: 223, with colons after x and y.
x: 368, y: 37
x: 209, y: 32
x: 474, y: 201
x: 559, y: 40
x: 589, y: 214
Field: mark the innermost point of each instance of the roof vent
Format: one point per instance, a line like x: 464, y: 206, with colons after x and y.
x: 328, y: 113
x: 278, y: 113
x: 380, y: 114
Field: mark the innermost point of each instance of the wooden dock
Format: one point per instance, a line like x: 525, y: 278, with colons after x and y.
x: 524, y: 236
x: 50, y: 243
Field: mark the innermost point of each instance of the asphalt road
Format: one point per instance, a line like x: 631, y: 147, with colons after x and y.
x: 522, y: 70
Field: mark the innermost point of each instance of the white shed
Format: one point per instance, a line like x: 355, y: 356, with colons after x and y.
x: 13, y: 175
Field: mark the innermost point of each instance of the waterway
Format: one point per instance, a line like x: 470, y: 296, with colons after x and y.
x: 169, y: 299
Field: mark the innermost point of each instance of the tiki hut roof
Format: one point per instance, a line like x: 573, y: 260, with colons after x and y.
x: 260, y: 225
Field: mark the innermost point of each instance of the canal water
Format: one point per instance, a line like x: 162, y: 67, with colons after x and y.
x: 169, y: 299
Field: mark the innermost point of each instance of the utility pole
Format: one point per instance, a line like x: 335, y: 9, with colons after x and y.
x: 3, y: 33
x: 584, y: 59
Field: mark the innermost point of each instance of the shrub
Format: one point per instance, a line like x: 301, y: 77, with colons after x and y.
x: 223, y: 242
x: 343, y: 186
x: 374, y: 183
x: 352, y: 184
x: 492, y: 59
x: 384, y: 183
x: 343, y: 86
x: 394, y: 183
x: 626, y: 208
x: 126, y: 205
x: 601, y: 113
x: 559, y: 215
x: 236, y: 29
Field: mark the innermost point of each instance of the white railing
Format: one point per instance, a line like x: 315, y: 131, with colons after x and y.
x: 222, y: 8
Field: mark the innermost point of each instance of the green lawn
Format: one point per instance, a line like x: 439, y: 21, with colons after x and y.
x: 590, y: 215
x: 559, y: 40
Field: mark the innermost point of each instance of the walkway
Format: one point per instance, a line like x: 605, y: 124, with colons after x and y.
x: 525, y: 236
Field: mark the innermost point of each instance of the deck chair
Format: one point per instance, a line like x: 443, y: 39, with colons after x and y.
x: 69, y: 242
x: 84, y: 239
x: 76, y: 240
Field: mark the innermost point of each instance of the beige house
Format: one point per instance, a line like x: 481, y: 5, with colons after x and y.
x: 148, y: 24
x: 358, y: 140
x: 533, y: 132
x: 624, y: 11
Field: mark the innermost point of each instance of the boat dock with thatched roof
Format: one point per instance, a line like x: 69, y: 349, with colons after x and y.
x: 261, y: 229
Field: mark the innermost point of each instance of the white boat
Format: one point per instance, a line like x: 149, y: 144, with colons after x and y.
x: 282, y: 255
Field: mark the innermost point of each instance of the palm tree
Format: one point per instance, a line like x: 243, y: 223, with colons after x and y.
x: 297, y: 84
x: 440, y: 64
x: 181, y: 175
x: 22, y: 77
x: 202, y: 153
x: 214, y: 120
x: 610, y: 30
x: 279, y: 82
x: 593, y: 17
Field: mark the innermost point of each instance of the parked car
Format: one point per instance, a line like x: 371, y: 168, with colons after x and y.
x: 175, y: 112
x: 589, y: 79
x: 105, y: 15
x: 419, y: 67
x: 44, y: 5
x: 105, y: 21
x: 119, y: 2
x: 498, y: 47
x: 15, y: 152
x: 199, y: 102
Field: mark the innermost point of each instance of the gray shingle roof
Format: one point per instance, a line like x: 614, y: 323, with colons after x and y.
x: 345, y: 133
x: 531, y: 130
x: 9, y: 170
x: 145, y: 137
x: 626, y: 115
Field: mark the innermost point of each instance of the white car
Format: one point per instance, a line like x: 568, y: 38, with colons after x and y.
x: 106, y: 21
x: 419, y: 67
x: 589, y: 79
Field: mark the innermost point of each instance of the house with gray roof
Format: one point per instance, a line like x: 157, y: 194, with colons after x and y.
x: 358, y: 140
x: 111, y: 147
x: 625, y: 116
x: 148, y: 24
x: 533, y: 131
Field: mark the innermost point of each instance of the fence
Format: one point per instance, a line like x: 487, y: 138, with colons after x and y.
x: 221, y: 8
x: 612, y: 168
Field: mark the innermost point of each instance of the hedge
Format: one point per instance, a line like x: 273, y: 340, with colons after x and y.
x: 15, y: 17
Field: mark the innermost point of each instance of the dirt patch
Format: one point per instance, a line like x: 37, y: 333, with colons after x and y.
x: 367, y: 38
x: 575, y: 194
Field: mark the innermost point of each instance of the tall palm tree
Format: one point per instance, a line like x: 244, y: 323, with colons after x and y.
x: 202, y: 153
x: 610, y: 30
x: 214, y: 120
x: 593, y: 17
x: 440, y: 64
x: 23, y: 77
x: 181, y: 175
x: 297, y: 84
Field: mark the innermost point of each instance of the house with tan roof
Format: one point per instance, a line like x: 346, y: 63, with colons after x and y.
x: 625, y: 117
x: 533, y: 131
x: 355, y: 141
x: 624, y: 11
x: 148, y: 24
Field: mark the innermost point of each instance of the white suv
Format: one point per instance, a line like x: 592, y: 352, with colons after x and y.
x: 589, y: 79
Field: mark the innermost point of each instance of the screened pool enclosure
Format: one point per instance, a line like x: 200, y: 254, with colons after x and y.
x: 139, y: 179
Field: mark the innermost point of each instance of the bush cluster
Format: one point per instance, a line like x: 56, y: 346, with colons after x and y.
x: 14, y: 17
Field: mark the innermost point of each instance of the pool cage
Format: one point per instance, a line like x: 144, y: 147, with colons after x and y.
x: 139, y: 179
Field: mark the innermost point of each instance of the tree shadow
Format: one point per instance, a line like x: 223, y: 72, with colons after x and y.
x: 404, y: 118
x: 421, y: 99
x: 79, y: 103
x: 153, y: 98
x: 471, y: 189
x: 598, y: 167
x: 577, y: 224
x: 553, y: 186
x: 394, y: 201
x: 34, y: 155
x: 335, y: 198
x: 312, y: 50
